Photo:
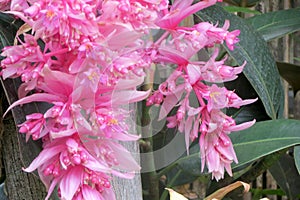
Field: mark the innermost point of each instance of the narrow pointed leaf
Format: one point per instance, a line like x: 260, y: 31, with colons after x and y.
x: 260, y: 70
x: 265, y: 138
x: 276, y: 24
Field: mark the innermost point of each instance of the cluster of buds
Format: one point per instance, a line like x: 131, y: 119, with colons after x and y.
x: 86, y: 59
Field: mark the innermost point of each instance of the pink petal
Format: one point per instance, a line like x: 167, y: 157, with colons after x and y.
x: 57, y: 82
x: 70, y: 182
x: 187, y: 132
x: 181, y: 11
x: 25, y: 88
x: 127, y: 36
x: 126, y: 97
x: 169, y: 103
x: 43, y: 157
x: 8, y: 72
x: 109, y: 194
x: 129, y: 83
x: 194, y: 73
x: 67, y: 132
x: 124, y: 158
x: 173, y: 56
x: 51, y: 188
x: 179, y: 4
x: 38, y: 97
x: 241, y: 126
x: 91, y: 194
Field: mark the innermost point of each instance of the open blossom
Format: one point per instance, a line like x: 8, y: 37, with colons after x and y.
x: 66, y: 162
x: 86, y: 59
x: 180, y: 10
x: 215, y: 145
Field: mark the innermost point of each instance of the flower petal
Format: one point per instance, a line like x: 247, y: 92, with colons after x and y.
x: 38, y: 97
x: 70, y: 182
x: 43, y: 157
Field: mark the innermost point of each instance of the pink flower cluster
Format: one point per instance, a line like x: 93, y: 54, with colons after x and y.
x: 86, y: 58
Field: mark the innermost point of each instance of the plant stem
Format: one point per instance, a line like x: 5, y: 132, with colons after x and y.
x: 150, y: 180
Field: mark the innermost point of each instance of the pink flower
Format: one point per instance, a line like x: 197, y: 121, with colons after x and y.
x: 140, y: 15
x: 66, y: 162
x: 179, y: 11
x: 215, y: 145
x: 34, y: 126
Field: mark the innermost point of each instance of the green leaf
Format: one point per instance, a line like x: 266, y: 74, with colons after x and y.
x: 262, y: 139
x: 233, y: 9
x: 297, y: 157
x: 276, y: 24
x: 248, y: 3
x: 286, y: 176
x: 265, y: 138
x: 261, y: 70
x: 291, y: 73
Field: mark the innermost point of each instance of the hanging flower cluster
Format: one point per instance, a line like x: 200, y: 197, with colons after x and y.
x: 86, y: 58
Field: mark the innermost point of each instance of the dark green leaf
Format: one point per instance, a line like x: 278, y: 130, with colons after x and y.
x: 291, y: 73
x: 297, y: 157
x: 248, y: 3
x: 276, y: 24
x: 286, y: 176
x: 261, y: 70
x: 265, y: 138
x: 233, y: 9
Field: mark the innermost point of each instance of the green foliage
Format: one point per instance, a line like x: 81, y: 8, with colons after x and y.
x: 265, y: 138
x: 233, y: 9
x: 285, y: 174
x: 243, y: 3
x: 276, y: 24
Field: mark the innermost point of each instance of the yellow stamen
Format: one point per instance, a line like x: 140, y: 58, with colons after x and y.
x: 213, y: 95
x: 113, y: 121
x: 92, y: 76
x: 50, y: 14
